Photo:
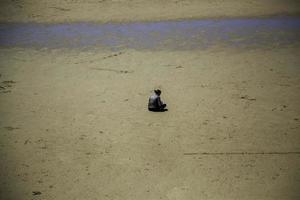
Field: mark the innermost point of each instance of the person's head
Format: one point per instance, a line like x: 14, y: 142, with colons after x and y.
x: 157, y: 92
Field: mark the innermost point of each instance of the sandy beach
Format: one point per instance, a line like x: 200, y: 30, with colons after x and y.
x: 74, y: 121
x: 61, y: 11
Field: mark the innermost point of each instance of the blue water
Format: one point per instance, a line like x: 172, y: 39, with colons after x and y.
x: 177, y: 35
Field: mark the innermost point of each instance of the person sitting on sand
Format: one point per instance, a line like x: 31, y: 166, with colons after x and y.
x: 155, y: 104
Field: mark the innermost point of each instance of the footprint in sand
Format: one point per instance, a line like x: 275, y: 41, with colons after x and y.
x: 112, y: 55
x: 36, y: 193
x: 10, y: 128
x: 5, y: 85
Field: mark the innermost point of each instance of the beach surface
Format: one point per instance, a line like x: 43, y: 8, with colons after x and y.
x: 74, y: 122
x: 62, y: 11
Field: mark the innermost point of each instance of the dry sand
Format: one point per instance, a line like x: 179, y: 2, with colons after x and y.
x: 74, y: 123
x: 139, y: 10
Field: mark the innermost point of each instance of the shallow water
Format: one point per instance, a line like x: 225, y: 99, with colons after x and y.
x: 176, y: 35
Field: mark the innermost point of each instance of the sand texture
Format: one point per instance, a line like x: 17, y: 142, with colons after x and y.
x: 139, y: 10
x: 74, y: 124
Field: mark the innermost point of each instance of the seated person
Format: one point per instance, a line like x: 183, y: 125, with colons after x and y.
x: 155, y: 104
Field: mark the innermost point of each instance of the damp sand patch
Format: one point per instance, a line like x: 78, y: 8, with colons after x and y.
x: 170, y: 35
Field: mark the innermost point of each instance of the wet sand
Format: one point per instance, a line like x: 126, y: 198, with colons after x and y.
x: 164, y: 35
x: 74, y: 122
